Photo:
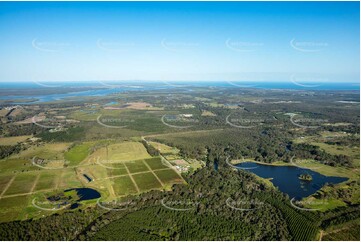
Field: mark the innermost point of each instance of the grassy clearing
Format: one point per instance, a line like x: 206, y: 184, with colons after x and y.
x: 54, y: 151
x: 119, y: 152
x: 78, y: 153
x: 338, y: 150
x: 22, y: 184
x: 164, y: 149
x: 330, y: 170
x: 146, y: 181
x: 324, y: 204
x: 127, y: 151
x: 13, y: 140
x: 123, y: 186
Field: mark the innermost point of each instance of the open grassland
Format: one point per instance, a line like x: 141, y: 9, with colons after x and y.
x: 164, y: 149
x: 13, y: 140
x: 330, y: 170
x: 339, y: 150
x: 78, y: 153
x: 125, y: 151
x: 50, y: 151
x: 323, y: 205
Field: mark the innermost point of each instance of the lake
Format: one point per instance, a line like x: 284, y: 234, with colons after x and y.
x: 287, y: 181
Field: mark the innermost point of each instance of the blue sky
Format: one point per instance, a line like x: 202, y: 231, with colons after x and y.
x: 78, y: 41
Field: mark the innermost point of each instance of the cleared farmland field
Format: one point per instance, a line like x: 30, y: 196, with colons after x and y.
x: 119, y: 169
x: 13, y: 140
x: 155, y: 163
x: 47, y: 180
x: 146, y: 181
x: 11, y: 207
x: 123, y: 186
x: 164, y: 149
x: 4, y: 180
x: 54, y: 151
x: 136, y: 166
x: 78, y: 153
x: 11, y: 165
x: 168, y: 176
x: 127, y: 151
x: 22, y: 184
x: 69, y: 179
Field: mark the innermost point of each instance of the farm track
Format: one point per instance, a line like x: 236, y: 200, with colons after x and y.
x: 150, y: 169
x: 135, y: 173
x: 131, y: 177
x: 35, y: 182
x: 7, y: 186
x: 27, y: 193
